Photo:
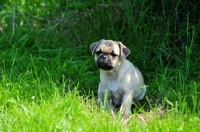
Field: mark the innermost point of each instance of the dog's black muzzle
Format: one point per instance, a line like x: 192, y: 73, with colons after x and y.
x: 104, y: 62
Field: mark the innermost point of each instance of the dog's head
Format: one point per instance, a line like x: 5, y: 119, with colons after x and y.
x: 108, y: 53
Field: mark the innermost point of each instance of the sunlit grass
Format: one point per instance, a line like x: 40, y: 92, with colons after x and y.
x: 59, y: 110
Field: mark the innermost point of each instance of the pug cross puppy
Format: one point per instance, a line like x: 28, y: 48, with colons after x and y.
x: 121, y: 82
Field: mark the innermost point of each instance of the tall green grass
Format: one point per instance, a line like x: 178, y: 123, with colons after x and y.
x: 48, y: 78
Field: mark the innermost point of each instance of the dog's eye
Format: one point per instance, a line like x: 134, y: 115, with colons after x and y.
x: 98, y: 52
x: 113, y: 55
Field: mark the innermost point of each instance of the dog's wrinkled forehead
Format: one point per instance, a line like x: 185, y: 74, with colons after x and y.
x: 108, y: 46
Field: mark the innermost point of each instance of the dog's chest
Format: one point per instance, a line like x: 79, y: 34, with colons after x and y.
x: 113, y: 85
x: 111, y: 81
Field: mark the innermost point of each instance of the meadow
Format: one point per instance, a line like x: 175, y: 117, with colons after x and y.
x: 48, y: 77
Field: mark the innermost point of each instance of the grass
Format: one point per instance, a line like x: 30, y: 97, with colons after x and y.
x: 48, y: 81
x: 27, y: 105
x: 25, y: 109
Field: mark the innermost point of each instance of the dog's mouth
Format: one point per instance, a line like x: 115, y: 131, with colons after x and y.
x: 104, y: 62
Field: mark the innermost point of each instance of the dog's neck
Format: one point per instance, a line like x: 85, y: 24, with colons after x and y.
x: 111, y: 74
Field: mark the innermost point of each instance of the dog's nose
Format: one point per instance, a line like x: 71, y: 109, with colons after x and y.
x: 105, y: 57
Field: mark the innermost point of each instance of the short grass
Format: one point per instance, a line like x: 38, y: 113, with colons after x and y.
x: 29, y: 105
x: 48, y: 78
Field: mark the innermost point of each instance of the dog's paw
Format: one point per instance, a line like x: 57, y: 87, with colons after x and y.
x: 126, y: 118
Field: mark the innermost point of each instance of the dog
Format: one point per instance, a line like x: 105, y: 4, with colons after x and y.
x: 121, y: 82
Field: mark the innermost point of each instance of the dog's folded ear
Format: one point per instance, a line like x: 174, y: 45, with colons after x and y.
x: 94, y: 46
x: 124, y: 51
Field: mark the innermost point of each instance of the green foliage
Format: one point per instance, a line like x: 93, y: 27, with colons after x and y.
x: 48, y: 75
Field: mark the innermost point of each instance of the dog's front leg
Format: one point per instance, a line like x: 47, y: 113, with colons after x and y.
x: 126, y: 104
x: 109, y: 106
x: 105, y: 102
